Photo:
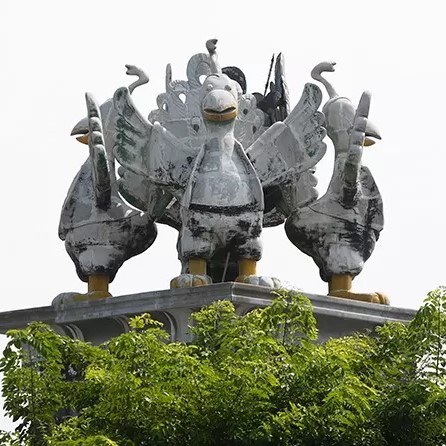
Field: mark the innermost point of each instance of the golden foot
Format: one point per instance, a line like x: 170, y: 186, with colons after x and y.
x: 91, y: 295
x: 376, y: 298
x: 383, y: 298
x: 269, y: 282
x: 190, y: 280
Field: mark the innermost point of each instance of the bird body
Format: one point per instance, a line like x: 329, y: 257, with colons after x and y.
x: 218, y: 183
x: 101, y: 231
x: 340, y: 229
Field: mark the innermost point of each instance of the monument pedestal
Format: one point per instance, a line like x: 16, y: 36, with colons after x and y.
x: 98, y: 320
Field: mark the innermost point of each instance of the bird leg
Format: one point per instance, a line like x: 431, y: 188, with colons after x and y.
x: 197, y: 275
x: 98, y: 283
x: 340, y: 285
x: 97, y: 288
x: 197, y: 266
x: 246, y: 267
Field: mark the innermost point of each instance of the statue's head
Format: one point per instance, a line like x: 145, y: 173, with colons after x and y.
x: 339, y: 115
x: 219, y: 98
x: 219, y: 93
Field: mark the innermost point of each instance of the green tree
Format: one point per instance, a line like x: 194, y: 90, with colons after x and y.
x: 257, y: 379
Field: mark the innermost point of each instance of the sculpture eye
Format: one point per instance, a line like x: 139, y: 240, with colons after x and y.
x: 209, y: 87
x: 227, y: 87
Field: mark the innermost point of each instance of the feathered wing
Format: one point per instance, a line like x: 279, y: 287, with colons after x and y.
x: 294, y: 145
x: 98, y: 157
x: 133, y: 134
x: 250, y: 122
x: 149, y: 149
x: 283, y: 107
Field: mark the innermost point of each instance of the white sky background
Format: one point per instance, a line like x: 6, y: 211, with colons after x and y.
x: 52, y: 52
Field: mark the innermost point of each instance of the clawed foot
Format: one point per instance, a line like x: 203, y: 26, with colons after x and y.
x: 68, y: 299
x: 376, y: 298
x: 190, y: 280
x: 92, y: 295
x: 269, y: 282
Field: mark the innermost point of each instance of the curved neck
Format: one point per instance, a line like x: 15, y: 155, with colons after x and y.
x: 330, y: 90
x: 220, y: 130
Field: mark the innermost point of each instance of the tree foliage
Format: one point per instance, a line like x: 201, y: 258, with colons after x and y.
x: 256, y: 379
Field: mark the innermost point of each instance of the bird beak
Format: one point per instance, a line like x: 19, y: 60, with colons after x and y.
x: 371, y: 131
x: 83, y: 139
x: 81, y: 128
x: 219, y: 106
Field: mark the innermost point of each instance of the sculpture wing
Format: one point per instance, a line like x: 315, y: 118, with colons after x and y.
x: 353, y: 163
x: 283, y: 106
x: 149, y: 149
x: 98, y: 157
x: 133, y: 134
x: 292, y: 146
x: 359, y: 189
x: 250, y: 122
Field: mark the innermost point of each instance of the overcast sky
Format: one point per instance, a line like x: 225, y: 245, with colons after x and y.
x: 52, y: 52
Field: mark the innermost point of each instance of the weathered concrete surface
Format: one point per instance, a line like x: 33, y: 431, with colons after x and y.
x: 96, y: 321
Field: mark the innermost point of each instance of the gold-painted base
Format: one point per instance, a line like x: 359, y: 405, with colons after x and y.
x: 340, y: 285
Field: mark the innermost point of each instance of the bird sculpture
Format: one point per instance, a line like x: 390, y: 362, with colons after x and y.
x: 218, y: 184
x: 340, y: 229
x: 99, y: 228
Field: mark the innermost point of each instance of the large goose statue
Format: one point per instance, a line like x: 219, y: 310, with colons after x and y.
x: 340, y: 229
x: 101, y: 230
x: 219, y: 187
